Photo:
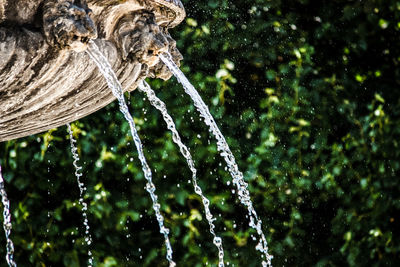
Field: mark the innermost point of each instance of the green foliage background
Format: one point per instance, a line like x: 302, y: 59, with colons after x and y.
x: 307, y: 95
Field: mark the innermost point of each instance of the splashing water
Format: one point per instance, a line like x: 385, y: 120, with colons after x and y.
x: 7, y: 223
x: 223, y: 148
x: 82, y: 191
x: 112, y: 81
x: 160, y: 105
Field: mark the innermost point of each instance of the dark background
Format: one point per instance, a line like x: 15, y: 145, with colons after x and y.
x: 307, y: 95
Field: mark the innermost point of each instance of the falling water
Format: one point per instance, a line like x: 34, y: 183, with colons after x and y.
x: 7, y: 223
x: 160, y: 105
x: 115, y: 86
x: 223, y: 148
x: 82, y: 191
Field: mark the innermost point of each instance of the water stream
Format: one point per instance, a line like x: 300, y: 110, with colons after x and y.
x: 112, y: 81
x: 7, y: 223
x: 222, y: 146
x: 82, y: 191
x: 160, y: 105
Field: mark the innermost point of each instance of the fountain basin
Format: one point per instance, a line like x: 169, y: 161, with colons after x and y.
x: 43, y: 86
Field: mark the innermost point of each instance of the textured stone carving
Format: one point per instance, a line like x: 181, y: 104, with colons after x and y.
x: 67, y: 24
x: 47, y: 81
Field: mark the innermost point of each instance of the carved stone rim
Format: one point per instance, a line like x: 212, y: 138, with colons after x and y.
x: 172, y: 10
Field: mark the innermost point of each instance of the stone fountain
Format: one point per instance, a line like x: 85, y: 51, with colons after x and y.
x: 45, y: 80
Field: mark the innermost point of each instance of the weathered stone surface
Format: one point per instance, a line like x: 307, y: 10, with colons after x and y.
x: 45, y: 83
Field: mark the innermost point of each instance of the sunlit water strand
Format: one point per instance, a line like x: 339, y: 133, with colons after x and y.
x: 115, y: 86
x: 7, y: 223
x: 82, y: 191
x: 223, y: 148
x: 160, y: 105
